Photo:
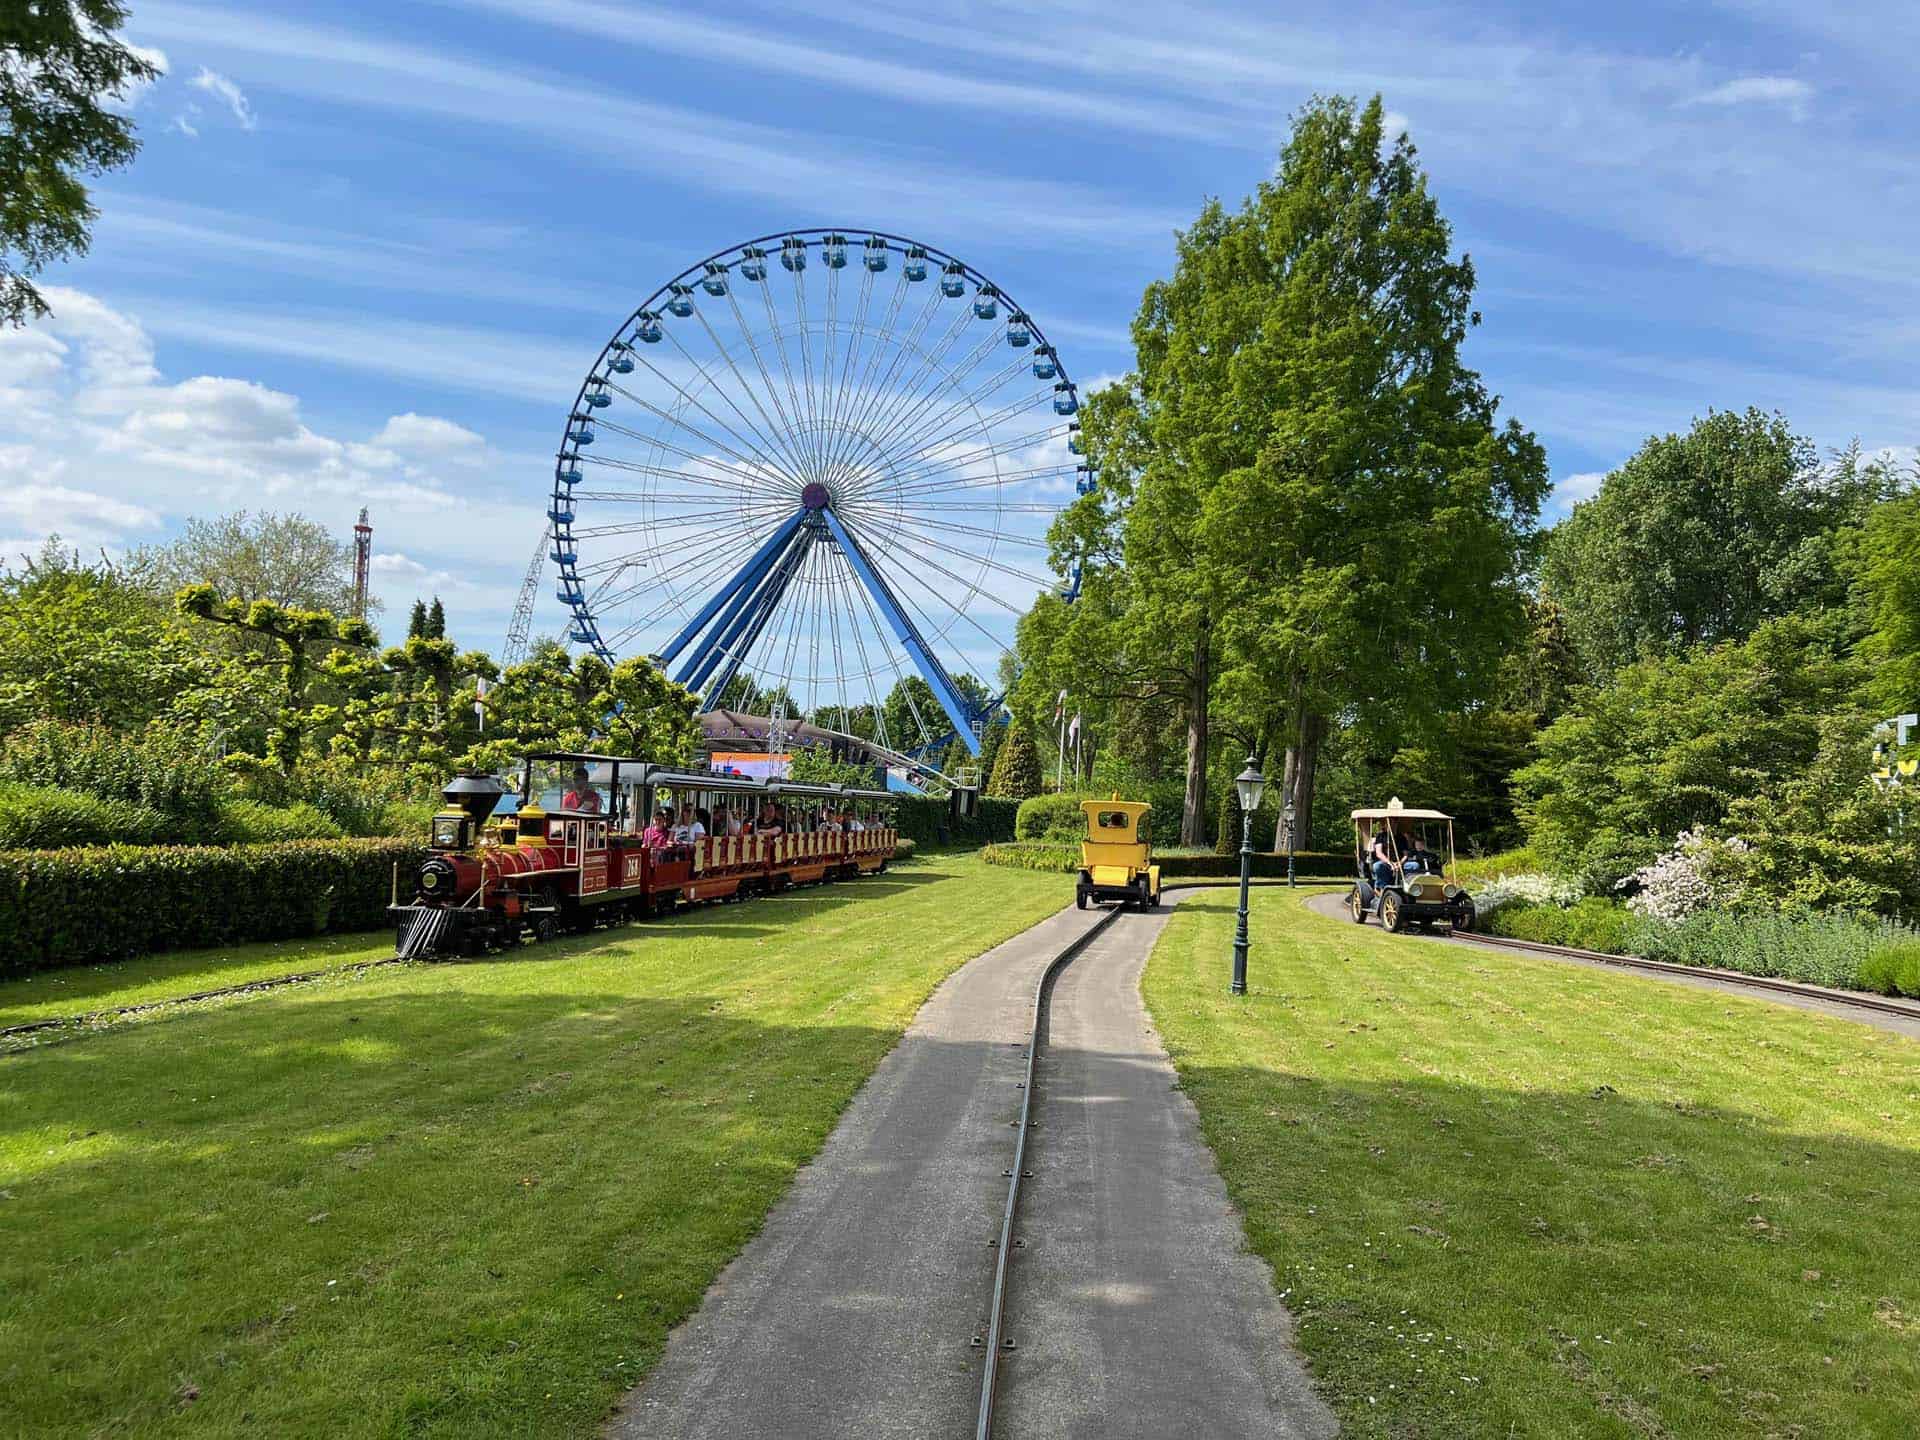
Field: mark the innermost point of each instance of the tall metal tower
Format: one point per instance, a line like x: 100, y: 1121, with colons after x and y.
x: 521, y: 626
x: 362, y: 559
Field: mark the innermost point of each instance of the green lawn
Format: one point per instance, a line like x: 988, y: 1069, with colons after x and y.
x: 451, y: 1200
x: 1511, y: 1198
x: 82, y: 988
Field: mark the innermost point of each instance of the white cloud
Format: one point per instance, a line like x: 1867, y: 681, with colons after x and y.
x: 183, y: 123
x: 1392, y: 126
x: 219, y: 86
x: 37, y: 508
x: 1757, y: 90
x: 1570, y: 490
x: 431, y: 438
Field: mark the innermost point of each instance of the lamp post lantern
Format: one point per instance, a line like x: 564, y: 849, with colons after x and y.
x: 1292, y: 841
x: 1251, y: 784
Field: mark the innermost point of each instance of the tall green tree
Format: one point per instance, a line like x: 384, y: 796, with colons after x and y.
x: 1700, y: 537
x: 1303, y: 482
x: 1016, y: 767
x: 1889, y: 581
x: 417, y: 621
x: 436, y: 620
x: 61, y: 63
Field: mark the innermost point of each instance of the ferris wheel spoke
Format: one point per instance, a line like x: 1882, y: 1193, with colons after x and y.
x: 936, y: 431
x: 899, y: 670
x: 757, y: 464
x: 758, y: 459
x: 806, y: 365
x: 858, y: 400
x: 906, y: 345
x: 885, y: 428
x: 753, y: 346
x: 997, y: 536
x: 941, y: 630
x: 932, y: 363
x: 1010, y: 445
x: 740, y: 481
x: 917, y: 547
x: 842, y: 443
x: 791, y: 465
x: 778, y: 332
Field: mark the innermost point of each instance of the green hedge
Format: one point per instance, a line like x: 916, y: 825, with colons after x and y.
x: 927, y: 821
x: 1050, y: 817
x: 1893, y: 968
x: 1591, y: 924
x: 77, y: 907
x: 1174, y: 864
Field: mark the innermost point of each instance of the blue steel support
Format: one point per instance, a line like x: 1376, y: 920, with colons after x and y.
x: 905, y: 631
x: 747, y: 617
x: 777, y: 586
x: 709, y: 651
x: 747, y: 577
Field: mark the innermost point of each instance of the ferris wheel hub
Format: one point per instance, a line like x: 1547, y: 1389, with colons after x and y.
x: 816, y: 496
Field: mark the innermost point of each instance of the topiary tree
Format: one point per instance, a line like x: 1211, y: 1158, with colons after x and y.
x: 1016, y: 769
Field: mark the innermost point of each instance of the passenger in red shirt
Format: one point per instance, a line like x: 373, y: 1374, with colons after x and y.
x: 582, y: 797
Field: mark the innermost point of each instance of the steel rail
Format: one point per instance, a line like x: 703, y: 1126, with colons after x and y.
x: 996, y: 1340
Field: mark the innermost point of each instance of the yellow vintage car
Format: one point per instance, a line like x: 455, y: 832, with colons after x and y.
x: 1116, y: 860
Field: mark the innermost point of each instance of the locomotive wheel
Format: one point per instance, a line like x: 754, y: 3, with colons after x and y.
x: 1392, y: 914
x: 542, y: 928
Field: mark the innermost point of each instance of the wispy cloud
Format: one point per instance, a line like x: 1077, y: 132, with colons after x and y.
x: 689, y: 147
x: 1757, y: 90
x: 223, y: 89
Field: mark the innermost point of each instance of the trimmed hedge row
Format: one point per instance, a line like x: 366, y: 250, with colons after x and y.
x: 78, y: 907
x: 1591, y: 924
x: 927, y: 821
x: 1174, y: 865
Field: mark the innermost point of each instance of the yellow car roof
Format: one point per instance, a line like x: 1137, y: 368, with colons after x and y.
x: 1135, y: 808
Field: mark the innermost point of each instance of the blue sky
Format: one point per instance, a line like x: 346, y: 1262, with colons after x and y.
x: 369, y: 251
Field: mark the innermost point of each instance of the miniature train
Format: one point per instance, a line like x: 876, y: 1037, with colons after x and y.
x: 590, y: 858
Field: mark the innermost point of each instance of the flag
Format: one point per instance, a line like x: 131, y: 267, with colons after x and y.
x: 1060, y: 707
x: 480, y: 702
x: 1073, y: 730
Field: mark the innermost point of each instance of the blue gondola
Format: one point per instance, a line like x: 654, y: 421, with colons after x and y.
x: 953, y: 281
x: 753, y: 263
x: 715, y: 282
x: 986, y: 303
x: 620, y: 362
x: 915, y: 265
x: 564, y: 556
x: 1073, y: 439
x: 679, y: 300
x: 561, y: 513
x: 580, y: 431
x: 581, y: 635
x: 597, y: 397
x: 1065, y: 402
x: 648, y: 328
x: 568, y: 475
x: 1019, y: 336
x: 876, y: 254
x: 569, y: 594
x: 1083, y: 479
x: 1045, y: 367
x: 833, y: 251
x: 793, y: 253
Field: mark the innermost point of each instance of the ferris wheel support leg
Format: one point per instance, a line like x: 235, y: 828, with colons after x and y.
x: 734, y: 638
x: 748, y: 576
x: 907, y: 633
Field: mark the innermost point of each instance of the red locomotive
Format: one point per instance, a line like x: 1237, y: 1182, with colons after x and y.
x: 598, y: 839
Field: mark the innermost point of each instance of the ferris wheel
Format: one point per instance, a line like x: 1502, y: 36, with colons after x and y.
x: 820, y: 463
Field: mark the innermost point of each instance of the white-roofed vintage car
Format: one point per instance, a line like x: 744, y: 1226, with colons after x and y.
x: 1414, y: 884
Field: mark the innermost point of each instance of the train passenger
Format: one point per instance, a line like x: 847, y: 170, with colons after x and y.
x: 1420, y: 860
x: 725, y: 822
x: 829, y: 823
x: 1380, y: 858
x: 660, y: 833
x: 771, y: 821
x: 855, y: 826
x: 582, y: 797
x: 705, y: 818
x: 689, y: 829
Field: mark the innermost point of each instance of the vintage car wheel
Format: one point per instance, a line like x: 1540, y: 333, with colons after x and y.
x: 1464, y: 917
x: 1356, y: 907
x: 1393, y: 913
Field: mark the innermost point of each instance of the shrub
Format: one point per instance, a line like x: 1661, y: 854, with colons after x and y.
x: 929, y: 821
x: 163, y: 768
x: 1589, y: 924
x: 43, y: 817
x: 1697, y: 872
x: 1050, y: 817
x: 1034, y: 855
x: 76, y: 907
x: 1479, y: 870
x: 1893, y: 968
x: 1532, y: 888
x: 248, y: 822
x: 903, y: 850
x: 1834, y: 950
x: 1175, y: 865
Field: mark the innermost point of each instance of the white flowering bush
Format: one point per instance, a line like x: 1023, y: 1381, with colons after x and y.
x: 1699, y: 872
x: 1532, y: 888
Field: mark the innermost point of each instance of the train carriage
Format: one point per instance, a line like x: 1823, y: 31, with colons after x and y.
x: 572, y: 848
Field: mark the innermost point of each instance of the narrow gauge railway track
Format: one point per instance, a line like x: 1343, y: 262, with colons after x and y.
x: 997, y: 1341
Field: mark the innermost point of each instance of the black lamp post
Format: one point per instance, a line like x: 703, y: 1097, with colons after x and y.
x: 1251, y: 784
x: 1292, y: 840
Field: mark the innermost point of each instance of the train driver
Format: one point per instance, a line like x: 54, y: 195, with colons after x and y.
x: 582, y: 797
